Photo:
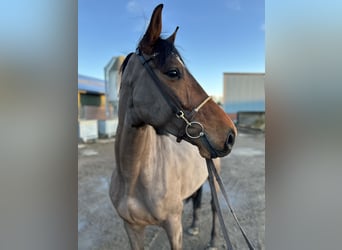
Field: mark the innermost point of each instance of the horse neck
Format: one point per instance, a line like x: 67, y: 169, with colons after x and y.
x: 136, y: 143
x: 135, y: 146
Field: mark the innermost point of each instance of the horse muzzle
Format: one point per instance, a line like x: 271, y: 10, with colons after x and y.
x: 208, y: 150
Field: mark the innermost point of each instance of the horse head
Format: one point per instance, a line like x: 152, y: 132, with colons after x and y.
x: 164, y: 94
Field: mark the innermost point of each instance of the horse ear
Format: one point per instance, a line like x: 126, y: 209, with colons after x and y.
x: 172, y: 38
x: 153, y: 31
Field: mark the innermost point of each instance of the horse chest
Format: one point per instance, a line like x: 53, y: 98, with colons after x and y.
x: 135, y: 210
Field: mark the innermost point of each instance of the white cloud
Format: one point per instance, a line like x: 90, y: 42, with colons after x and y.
x: 133, y: 7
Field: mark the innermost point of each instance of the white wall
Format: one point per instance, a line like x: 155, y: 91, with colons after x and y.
x: 243, y: 92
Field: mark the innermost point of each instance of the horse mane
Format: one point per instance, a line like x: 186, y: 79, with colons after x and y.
x: 124, y: 63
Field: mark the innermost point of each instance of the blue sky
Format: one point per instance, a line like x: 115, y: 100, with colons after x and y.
x: 213, y: 37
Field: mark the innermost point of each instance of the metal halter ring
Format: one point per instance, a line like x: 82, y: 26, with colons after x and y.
x: 194, y: 124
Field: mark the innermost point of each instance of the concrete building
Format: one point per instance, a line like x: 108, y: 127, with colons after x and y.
x: 243, y: 92
x: 112, y: 85
x: 97, y: 98
x: 98, y: 102
x: 91, y: 98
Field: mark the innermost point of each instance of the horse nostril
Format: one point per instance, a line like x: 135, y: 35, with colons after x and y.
x: 230, y: 140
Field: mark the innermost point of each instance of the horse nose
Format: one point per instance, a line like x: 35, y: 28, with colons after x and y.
x: 230, y: 140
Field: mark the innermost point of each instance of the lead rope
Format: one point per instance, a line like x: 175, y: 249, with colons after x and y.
x: 217, y: 204
x: 211, y: 170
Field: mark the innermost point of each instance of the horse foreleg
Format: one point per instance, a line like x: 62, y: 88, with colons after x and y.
x: 173, y: 228
x: 135, y: 235
x: 196, y: 204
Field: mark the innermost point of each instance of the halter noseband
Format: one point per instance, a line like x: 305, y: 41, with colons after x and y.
x: 175, y: 104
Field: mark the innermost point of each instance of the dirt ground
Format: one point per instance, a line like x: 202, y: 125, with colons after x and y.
x: 243, y: 174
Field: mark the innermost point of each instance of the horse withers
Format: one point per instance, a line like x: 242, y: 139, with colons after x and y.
x: 167, y: 126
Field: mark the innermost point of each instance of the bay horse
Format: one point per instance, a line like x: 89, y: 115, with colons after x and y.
x: 167, y: 126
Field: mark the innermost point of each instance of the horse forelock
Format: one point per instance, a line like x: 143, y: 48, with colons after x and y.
x: 164, y: 49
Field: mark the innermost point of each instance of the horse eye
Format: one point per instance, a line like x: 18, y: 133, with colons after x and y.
x: 173, y: 73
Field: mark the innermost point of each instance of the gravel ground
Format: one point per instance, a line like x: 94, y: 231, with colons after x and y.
x: 243, y: 174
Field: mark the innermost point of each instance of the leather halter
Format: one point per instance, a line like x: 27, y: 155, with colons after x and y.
x: 176, y: 108
x: 175, y: 104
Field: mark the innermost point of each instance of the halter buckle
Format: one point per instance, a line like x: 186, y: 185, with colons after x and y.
x: 180, y: 114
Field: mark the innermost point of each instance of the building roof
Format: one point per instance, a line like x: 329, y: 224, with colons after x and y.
x: 91, y: 84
